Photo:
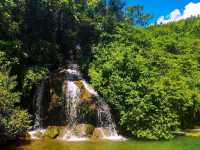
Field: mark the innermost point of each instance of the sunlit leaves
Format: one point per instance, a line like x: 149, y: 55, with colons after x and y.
x: 151, y: 77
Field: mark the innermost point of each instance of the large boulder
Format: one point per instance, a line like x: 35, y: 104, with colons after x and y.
x: 52, y: 132
x: 53, y: 103
x: 192, y: 132
x: 100, y: 133
x: 84, y: 130
x: 97, y: 134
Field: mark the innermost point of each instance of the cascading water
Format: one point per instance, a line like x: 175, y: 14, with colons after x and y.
x: 38, y: 105
x: 73, y: 86
x: 104, y: 117
x: 72, y: 99
x: 38, y: 97
x: 72, y: 94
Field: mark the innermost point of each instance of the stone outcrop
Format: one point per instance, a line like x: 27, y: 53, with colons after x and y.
x: 54, y: 99
x: 65, y: 99
x: 84, y: 130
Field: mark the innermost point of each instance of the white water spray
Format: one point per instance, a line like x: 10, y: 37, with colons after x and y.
x: 72, y: 99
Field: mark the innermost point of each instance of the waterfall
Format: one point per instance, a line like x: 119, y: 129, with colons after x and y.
x: 72, y: 99
x: 89, y: 88
x: 104, y: 117
x: 38, y: 97
x: 70, y: 83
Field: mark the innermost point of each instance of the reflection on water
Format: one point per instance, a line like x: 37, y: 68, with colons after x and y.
x: 183, y: 143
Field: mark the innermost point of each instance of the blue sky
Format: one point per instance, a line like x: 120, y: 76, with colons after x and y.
x: 161, y: 7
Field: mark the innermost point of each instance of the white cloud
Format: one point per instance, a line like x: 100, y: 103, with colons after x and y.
x: 191, y: 9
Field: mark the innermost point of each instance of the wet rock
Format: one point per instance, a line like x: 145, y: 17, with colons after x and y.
x: 52, y: 132
x: 25, y: 136
x: 98, y: 134
x: 67, y: 99
x: 38, y: 134
x: 178, y: 133
x: 85, y: 94
x: 192, y: 132
x: 84, y: 130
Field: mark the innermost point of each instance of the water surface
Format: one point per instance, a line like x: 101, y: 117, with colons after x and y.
x: 183, y: 143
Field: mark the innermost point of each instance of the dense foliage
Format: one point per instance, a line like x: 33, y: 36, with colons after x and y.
x: 38, y: 36
x: 13, y: 120
x: 149, y: 76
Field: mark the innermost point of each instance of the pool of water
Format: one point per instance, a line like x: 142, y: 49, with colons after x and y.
x: 182, y: 143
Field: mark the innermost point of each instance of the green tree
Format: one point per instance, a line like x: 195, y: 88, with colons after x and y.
x: 136, y: 16
x: 150, y: 77
x: 13, y: 120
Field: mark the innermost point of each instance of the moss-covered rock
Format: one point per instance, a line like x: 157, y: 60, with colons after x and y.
x: 52, y: 132
x: 84, y: 130
x: 85, y: 94
x: 53, y: 104
x: 97, y: 134
x: 192, y: 132
x: 100, y: 133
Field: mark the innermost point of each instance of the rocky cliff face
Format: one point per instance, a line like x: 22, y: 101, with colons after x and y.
x: 65, y: 99
x: 54, y: 94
